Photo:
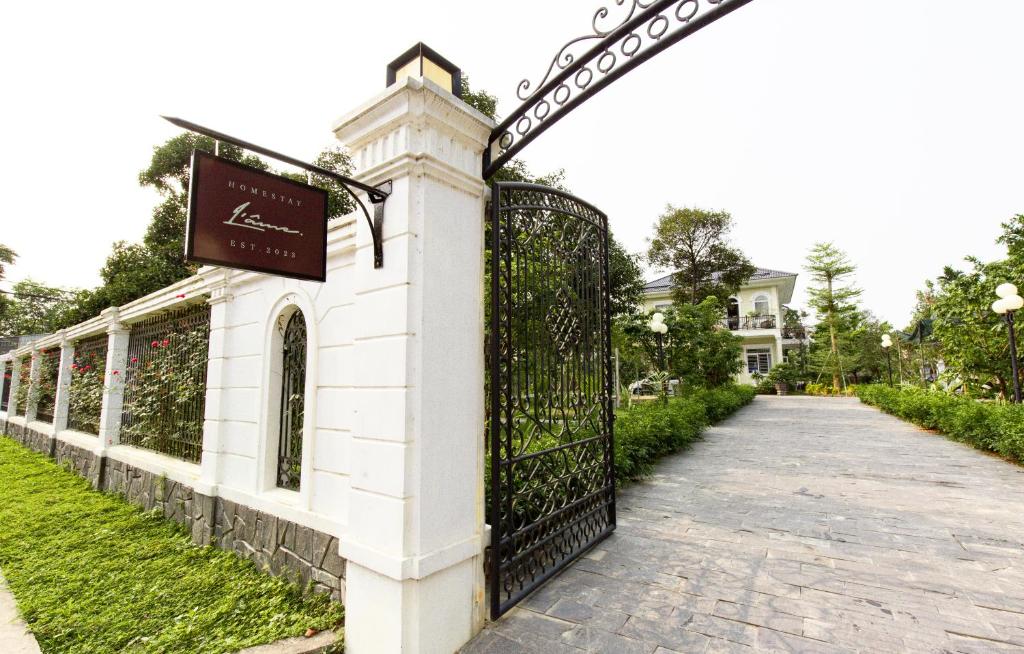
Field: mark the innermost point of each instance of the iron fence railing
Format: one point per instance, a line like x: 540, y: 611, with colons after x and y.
x: 165, y: 383
x: 766, y: 321
x: 85, y: 395
x: 46, y: 386
x: 5, y: 394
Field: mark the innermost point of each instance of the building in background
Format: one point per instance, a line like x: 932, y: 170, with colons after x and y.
x: 756, y: 313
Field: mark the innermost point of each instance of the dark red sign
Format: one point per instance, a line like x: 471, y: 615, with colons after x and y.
x: 242, y: 217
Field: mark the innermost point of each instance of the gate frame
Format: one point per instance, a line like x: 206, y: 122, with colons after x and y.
x: 494, y: 426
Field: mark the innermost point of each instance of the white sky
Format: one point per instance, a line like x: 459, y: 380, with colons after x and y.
x: 894, y: 129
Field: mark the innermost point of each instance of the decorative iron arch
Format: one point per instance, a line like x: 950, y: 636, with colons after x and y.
x: 573, y: 77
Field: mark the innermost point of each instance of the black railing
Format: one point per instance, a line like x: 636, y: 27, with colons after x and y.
x: 8, y: 343
x: 293, y: 403
x: 165, y: 383
x: 766, y: 321
x: 799, y: 333
x: 46, y: 385
x: 5, y: 395
x: 85, y: 395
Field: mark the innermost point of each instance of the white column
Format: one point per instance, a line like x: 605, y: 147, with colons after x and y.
x: 15, y: 383
x: 33, y: 386
x: 60, y: 404
x: 219, y: 300
x: 414, y: 578
x: 113, y: 385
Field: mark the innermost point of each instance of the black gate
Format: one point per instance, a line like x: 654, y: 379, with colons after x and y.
x: 551, y: 478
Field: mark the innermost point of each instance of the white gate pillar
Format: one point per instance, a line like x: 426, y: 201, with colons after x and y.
x: 414, y: 580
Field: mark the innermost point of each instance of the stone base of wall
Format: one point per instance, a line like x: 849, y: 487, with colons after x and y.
x: 278, y: 546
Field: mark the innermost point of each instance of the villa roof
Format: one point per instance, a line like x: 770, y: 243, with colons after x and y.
x: 665, y: 283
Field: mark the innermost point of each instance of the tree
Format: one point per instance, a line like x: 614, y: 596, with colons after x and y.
x: 698, y: 351
x: 625, y: 277
x: 7, y: 257
x: 34, y: 308
x: 695, y: 244
x: 834, y: 300
x: 133, y: 270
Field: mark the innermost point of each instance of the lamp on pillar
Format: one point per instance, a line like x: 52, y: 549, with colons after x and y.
x: 658, y: 326
x: 886, y: 344
x: 1006, y: 305
x: 421, y: 61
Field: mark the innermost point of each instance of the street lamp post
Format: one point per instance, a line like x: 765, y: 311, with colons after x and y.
x: 1006, y: 305
x: 658, y: 326
x: 886, y: 344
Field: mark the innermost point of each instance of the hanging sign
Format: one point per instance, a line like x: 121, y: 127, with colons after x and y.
x: 243, y: 217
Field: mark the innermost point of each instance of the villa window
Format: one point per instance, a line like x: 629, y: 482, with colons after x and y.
x: 293, y: 403
x: 761, y: 306
x: 759, y: 360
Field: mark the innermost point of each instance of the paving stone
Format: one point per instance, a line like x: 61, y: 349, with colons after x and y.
x: 798, y: 525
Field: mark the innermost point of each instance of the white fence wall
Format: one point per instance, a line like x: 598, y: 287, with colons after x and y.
x: 392, y: 460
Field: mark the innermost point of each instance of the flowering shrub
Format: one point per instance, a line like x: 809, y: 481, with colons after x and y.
x: 43, y: 393
x: 20, y: 396
x: 165, y: 393
x: 85, y: 397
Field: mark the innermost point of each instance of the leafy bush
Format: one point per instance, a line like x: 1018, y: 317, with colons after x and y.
x: 827, y: 390
x: 647, y: 432
x: 995, y: 427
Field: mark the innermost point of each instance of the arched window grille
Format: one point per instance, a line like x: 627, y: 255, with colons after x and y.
x: 293, y: 403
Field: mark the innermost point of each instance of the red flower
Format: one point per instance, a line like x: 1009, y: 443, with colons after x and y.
x: 180, y: 295
x: 115, y: 372
x: 135, y: 359
x: 86, y: 368
x: 166, y: 342
x: 74, y: 367
x: 154, y: 344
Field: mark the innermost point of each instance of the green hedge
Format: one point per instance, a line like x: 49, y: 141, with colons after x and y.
x: 991, y: 426
x: 646, y: 432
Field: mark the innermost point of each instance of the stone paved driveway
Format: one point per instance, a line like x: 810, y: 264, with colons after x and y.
x: 800, y: 525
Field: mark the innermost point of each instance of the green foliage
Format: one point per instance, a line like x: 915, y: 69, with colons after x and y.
x: 992, y: 426
x: 694, y: 243
x: 697, y: 351
x: 43, y: 394
x: 835, y: 302
x: 85, y: 395
x: 165, y: 386
x: 20, y: 395
x: 827, y: 390
x: 133, y: 270
x: 33, y: 308
x: 646, y: 432
x: 93, y: 575
x: 7, y: 257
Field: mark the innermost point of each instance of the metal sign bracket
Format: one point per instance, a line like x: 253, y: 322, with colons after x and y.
x: 376, y: 194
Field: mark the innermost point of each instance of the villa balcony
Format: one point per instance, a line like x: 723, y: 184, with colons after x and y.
x: 744, y: 323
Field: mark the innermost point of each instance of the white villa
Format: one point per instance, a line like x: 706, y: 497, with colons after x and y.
x: 755, y: 313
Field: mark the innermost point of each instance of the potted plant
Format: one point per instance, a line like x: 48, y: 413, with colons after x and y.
x: 783, y: 376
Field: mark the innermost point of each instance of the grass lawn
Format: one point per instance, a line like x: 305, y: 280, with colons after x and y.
x: 94, y: 574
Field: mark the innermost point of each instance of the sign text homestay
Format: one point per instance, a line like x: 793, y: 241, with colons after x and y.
x: 242, y: 217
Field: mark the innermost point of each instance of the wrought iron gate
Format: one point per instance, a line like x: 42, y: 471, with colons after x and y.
x: 551, y: 478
